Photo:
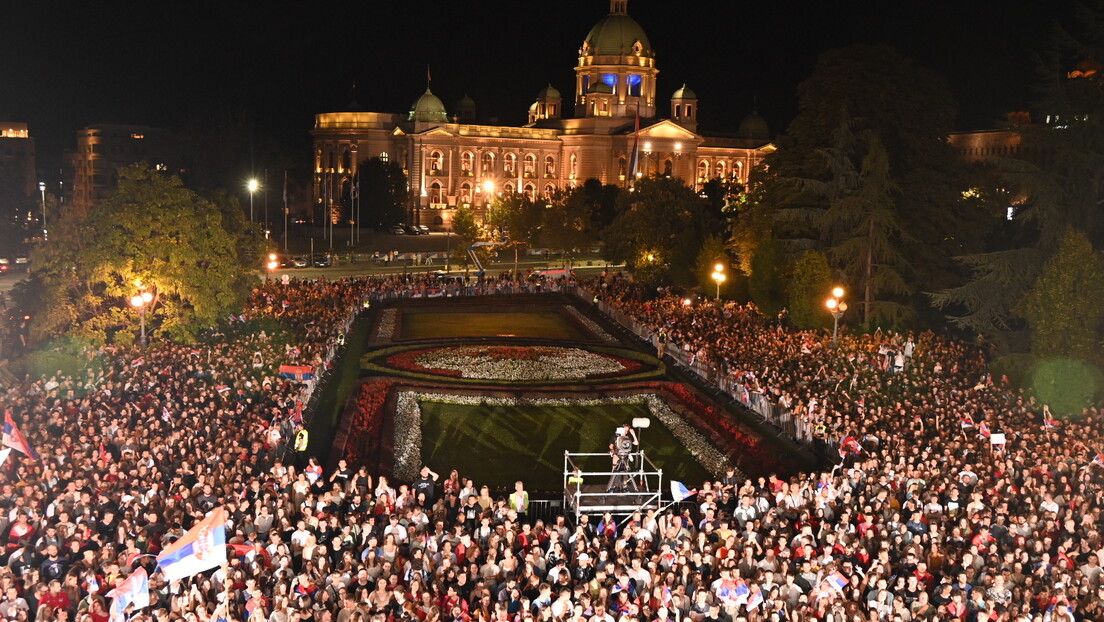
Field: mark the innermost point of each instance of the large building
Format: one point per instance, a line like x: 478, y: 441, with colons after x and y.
x: 104, y: 148
x: 616, y: 127
x: 17, y: 157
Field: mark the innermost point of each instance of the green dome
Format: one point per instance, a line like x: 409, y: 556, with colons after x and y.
x: 615, y: 35
x: 754, y: 126
x: 428, y: 108
x: 684, y: 93
x: 549, y: 92
x: 601, y: 87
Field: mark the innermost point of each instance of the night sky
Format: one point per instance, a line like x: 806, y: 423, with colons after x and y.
x: 65, y: 65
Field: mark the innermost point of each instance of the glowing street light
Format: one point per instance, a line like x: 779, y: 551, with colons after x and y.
x: 271, y: 265
x: 253, y: 185
x: 837, y: 307
x: 719, y: 277
x: 141, y: 302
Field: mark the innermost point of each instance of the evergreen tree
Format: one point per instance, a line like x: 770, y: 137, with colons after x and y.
x: 765, y: 280
x: 809, y: 288
x: 1063, y: 306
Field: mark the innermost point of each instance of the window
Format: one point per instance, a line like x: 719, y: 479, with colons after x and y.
x: 549, y: 165
x: 703, y: 170
x: 549, y: 190
x: 720, y: 169
x: 611, y: 80
x: 465, y: 192
x: 621, y: 167
x: 467, y: 163
x: 509, y: 164
x: 574, y: 161
x: 634, y: 81
x: 667, y: 167
x: 345, y: 160
x: 586, y: 84
x: 689, y: 110
x: 530, y: 191
x: 435, y: 192
x: 552, y: 110
x: 508, y: 188
x: 530, y: 164
x: 678, y: 111
x: 436, y: 159
x: 487, y: 163
x: 384, y: 157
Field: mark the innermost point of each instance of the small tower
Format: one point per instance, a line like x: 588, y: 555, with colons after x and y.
x: 684, y: 108
x: 548, y: 105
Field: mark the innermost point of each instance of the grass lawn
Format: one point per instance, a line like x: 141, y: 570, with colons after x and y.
x: 498, y: 445
x: 488, y: 323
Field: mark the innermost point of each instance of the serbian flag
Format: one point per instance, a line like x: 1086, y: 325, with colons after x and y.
x: 298, y: 373
x: 966, y: 422
x: 837, y: 580
x: 222, y: 388
x: 680, y: 492
x: 134, y: 591
x: 983, y: 429
x: 849, y: 446
x: 1049, y: 423
x: 138, y: 361
x: 14, y: 438
x: 297, y: 416
x: 755, y: 599
x: 742, y: 592
x: 435, y: 292
x: 1098, y: 460
x: 202, y: 548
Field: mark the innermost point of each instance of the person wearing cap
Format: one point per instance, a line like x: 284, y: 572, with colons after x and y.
x: 621, y: 448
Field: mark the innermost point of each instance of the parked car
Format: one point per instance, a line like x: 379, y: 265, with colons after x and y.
x: 398, y: 230
x: 4, y: 268
x: 424, y: 230
x: 21, y: 259
x: 323, y: 261
x: 412, y: 230
x: 300, y: 261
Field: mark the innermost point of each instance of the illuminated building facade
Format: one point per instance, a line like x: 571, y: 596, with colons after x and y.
x: 103, y: 149
x: 452, y: 161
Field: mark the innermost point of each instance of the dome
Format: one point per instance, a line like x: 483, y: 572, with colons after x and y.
x: 615, y: 35
x: 465, y: 102
x: 754, y: 126
x: 601, y: 87
x: 428, y: 108
x: 549, y: 92
x: 684, y: 93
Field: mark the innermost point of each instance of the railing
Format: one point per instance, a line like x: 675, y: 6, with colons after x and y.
x: 773, y: 414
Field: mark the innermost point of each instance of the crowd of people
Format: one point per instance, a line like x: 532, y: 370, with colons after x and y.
x: 924, y: 519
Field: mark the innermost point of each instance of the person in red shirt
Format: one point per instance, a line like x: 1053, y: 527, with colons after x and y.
x: 56, y: 598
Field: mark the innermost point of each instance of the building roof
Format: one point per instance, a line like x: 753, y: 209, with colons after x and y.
x: 754, y: 126
x: 684, y: 93
x: 428, y: 107
x: 615, y: 35
x: 549, y: 92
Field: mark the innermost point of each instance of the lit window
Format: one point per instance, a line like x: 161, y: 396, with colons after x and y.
x: 634, y: 81
x: 611, y: 80
x: 384, y: 157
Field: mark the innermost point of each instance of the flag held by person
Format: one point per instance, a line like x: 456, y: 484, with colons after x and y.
x: 203, y: 547
x: 14, y: 438
x: 837, y: 580
x: 134, y: 591
x: 680, y: 492
x: 298, y: 373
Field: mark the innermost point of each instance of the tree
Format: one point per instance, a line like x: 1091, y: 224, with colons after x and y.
x: 568, y: 223
x: 383, y: 194
x: 152, y: 234
x: 467, y: 231
x: 712, y: 254
x: 809, y: 288
x: 765, y: 280
x: 1063, y: 306
x: 659, y: 230
x: 518, y: 216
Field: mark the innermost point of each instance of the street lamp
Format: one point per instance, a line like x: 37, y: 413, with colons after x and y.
x: 837, y: 308
x: 271, y: 265
x: 140, y: 302
x: 719, y: 277
x: 42, y: 190
x: 253, y: 185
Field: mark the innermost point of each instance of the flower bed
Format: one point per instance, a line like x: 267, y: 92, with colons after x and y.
x: 513, y: 363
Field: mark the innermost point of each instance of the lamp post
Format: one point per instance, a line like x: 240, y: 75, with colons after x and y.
x: 271, y: 265
x: 140, y: 302
x: 253, y: 186
x: 837, y: 307
x: 719, y: 277
x: 42, y: 191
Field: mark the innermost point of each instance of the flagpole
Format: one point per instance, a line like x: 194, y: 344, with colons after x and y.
x: 285, y: 212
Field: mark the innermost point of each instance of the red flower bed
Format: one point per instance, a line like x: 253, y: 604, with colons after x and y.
x: 362, y: 436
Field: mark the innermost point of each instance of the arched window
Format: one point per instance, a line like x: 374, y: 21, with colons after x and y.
x: 634, y: 80
x: 509, y: 164
x: 611, y: 80
x: 721, y: 169
x: 549, y: 190
x: 467, y: 163
x: 465, y: 192
x: 508, y: 188
x: 621, y: 167
x: 318, y: 161
x: 487, y: 163
x: 384, y: 157
x: 574, y: 161
x: 549, y: 165
x: 436, y: 161
x: 689, y: 111
x: 667, y: 168
x: 345, y: 159
x: 703, y: 170
x: 530, y: 165
x: 530, y: 191
x: 435, y: 192
x: 678, y: 111
x: 738, y: 171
